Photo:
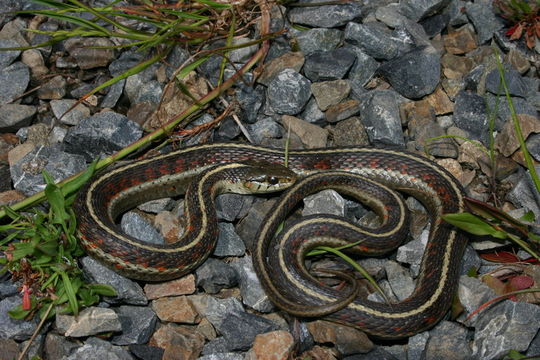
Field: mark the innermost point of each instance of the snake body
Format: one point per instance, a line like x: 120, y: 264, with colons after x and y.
x: 111, y: 193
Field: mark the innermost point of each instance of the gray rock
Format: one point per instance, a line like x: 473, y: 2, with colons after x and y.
x: 137, y: 226
x: 125, y: 61
x: 250, y: 100
x: 419, y: 9
x: 176, y: 58
x: 470, y: 115
x: 436, y: 23
x: 215, y: 347
x: 507, y: 325
x: 374, y: 39
x: 379, y: 353
x: 222, y: 356
x: 448, y: 340
x: 288, y: 92
x: 400, y: 279
x: 90, y: 52
x: 217, y: 310
x: 13, y: 81
x: 127, y: 291
x: 227, y: 131
x: 55, y: 88
x: 15, y: 329
x: 524, y: 194
x: 57, y: 135
x: 242, y: 54
x: 483, y: 18
x: 312, y: 113
x: 95, y: 348
x: 138, y: 325
x: 214, y: 275
x: 379, y: 112
x: 7, y: 289
x: 318, y: 39
x: 533, y: 145
x: 59, y: 107
x: 328, y: 65
x: 248, y: 227
x: 156, y: 206
x: 150, y: 91
x: 264, y: 129
x: 113, y: 94
x: 416, y: 346
x: 514, y: 81
x: 90, y: 321
x: 521, y: 106
x: 413, y: 74
x: 145, y: 352
x: 58, y: 346
x: 326, y: 16
x: 534, y: 348
x: 390, y: 15
x: 7, y: 57
x: 253, y: 295
x: 101, y: 135
x: 411, y: 253
x: 15, y: 116
x: 231, y: 207
x: 398, y: 351
x: 470, y: 260
x: 363, y: 68
x: 473, y: 293
x: 27, y: 176
x: 324, y: 202
x: 7, y: 10
x: 240, y: 329
x: 228, y: 243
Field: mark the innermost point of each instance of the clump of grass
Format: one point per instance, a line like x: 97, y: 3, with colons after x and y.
x: 524, y: 17
x: 41, y: 251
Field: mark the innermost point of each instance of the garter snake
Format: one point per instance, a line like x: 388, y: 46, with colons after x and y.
x: 113, y: 192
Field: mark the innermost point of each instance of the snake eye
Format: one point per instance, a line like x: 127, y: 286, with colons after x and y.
x: 272, y: 180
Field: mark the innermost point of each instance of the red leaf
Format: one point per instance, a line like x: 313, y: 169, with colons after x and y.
x: 26, y: 303
x: 520, y: 282
x: 501, y: 257
x: 515, y: 32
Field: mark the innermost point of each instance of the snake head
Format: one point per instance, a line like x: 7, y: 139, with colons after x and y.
x: 265, y: 177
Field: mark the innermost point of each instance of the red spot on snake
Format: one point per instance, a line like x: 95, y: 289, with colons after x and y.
x: 119, y: 266
x: 322, y: 164
x: 373, y: 164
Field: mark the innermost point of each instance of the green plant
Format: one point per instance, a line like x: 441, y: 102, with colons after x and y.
x: 41, y: 250
x: 524, y: 17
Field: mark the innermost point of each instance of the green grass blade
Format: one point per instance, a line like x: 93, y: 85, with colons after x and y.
x: 357, y: 267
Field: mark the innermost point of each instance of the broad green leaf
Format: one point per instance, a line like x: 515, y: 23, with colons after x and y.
x: 515, y: 355
x: 48, y: 247
x: 473, y: 225
x: 22, y: 250
x: 56, y: 200
x: 102, y: 289
x: 74, y: 185
x: 18, y: 313
x: 70, y: 292
x: 529, y: 217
